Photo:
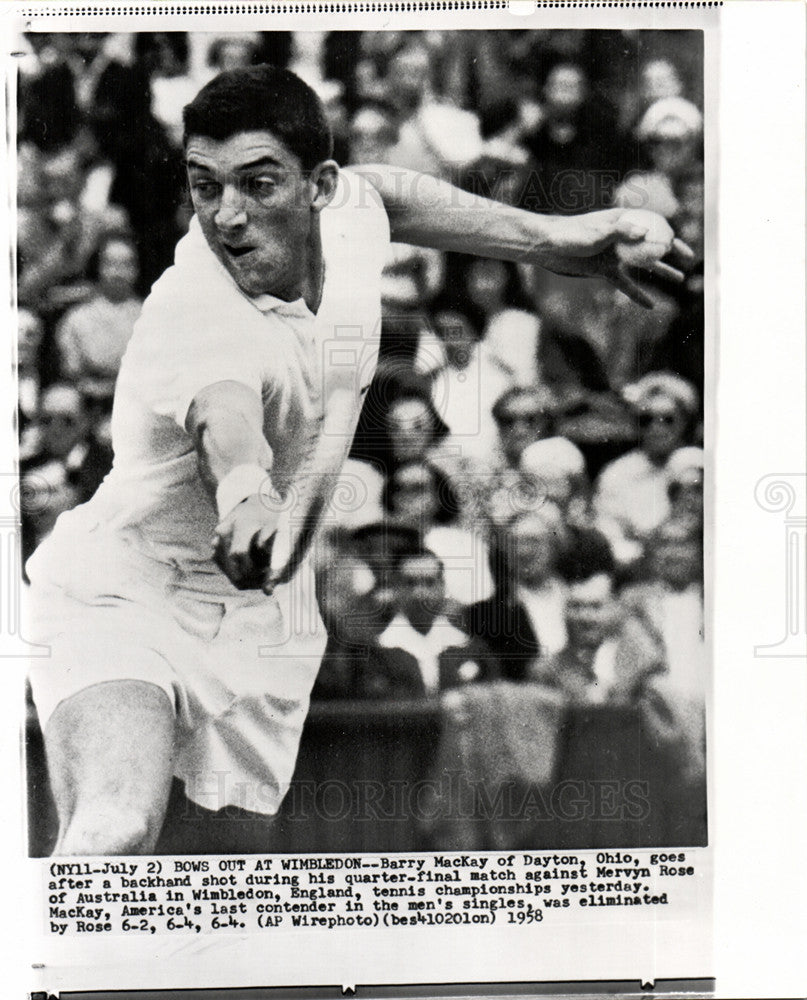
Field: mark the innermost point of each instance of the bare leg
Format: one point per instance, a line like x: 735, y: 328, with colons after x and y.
x: 110, y: 751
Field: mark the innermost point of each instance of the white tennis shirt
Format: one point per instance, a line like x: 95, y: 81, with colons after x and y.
x: 121, y: 572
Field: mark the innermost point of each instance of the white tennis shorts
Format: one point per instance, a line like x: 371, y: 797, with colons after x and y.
x: 237, y: 666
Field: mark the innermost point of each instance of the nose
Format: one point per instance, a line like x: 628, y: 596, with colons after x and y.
x: 231, y: 212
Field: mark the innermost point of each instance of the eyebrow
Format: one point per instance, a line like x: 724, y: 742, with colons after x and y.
x: 262, y: 161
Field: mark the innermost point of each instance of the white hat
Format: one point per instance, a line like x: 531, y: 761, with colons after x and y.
x: 553, y: 456
x: 670, y: 118
x: 681, y: 392
x: 682, y: 462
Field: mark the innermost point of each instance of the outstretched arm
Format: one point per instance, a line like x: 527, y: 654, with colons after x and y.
x: 427, y: 211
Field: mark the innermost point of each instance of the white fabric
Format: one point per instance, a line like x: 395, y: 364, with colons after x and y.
x: 682, y: 628
x: 464, y: 554
x: 426, y: 649
x: 546, y: 607
x: 241, y: 482
x: 132, y: 568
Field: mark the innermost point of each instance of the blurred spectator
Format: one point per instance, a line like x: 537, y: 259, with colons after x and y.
x: 443, y: 655
x: 50, y: 115
x: 167, y: 55
x: 671, y: 132
x: 502, y: 620
x: 538, y: 539
x: 465, y: 383
x: 147, y: 178
x: 575, y: 145
x: 522, y: 415
x: 412, y: 425
x: 356, y: 610
x: 685, y: 487
x: 558, y: 470
x: 29, y: 340
x: 498, y: 489
x: 62, y: 463
x: 92, y: 337
x: 420, y: 496
x: 435, y: 136
x: 605, y: 660
x: 631, y: 494
x: 373, y: 132
x: 670, y: 602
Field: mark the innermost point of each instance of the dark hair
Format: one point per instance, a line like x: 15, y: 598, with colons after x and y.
x: 587, y: 554
x: 262, y: 98
x: 539, y: 394
x: 497, y: 116
x: 449, y: 507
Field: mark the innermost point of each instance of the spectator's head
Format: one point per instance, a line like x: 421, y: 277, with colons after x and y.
x: 665, y: 406
x: 234, y: 51
x: 685, y: 485
x: 373, y: 133
x: 674, y: 554
x: 659, y: 79
x: 487, y: 283
x: 419, y: 495
x: 522, y: 415
x: 421, y: 588
x: 565, y: 90
x: 559, y: 470
x: 671, y: 131
x: 118, y: 268
x: 412, y: 427
x: 536, y: 538
x: 587, y: 566
x: 349, y: 592
x: 62, y: 420
x: 29, y: 339
x: 409, y: 74
x: 258, y: 149
x: 457, y: 334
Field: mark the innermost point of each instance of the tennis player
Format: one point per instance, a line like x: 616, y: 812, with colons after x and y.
x: 178, y: 603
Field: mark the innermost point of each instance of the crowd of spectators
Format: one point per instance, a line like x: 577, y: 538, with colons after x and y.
x: 525, y: 491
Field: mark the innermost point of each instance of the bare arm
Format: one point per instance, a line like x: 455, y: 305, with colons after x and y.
x: 225, y: 421
x: 427, y: 211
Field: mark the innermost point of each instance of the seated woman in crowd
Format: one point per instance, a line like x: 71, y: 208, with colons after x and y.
x: 630, y: 498
x: 420, y: 496
x: 92, y: 337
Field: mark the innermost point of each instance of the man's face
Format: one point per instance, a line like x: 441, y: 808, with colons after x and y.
x: 411, y: 429
x: 422, y: 589
x: 661, y: 426
x: 520, y: 423
x: 254, y: 204
x: 61, y: 420
x: 534, y: 550
x: 589, y: 611
x: 118, y: 270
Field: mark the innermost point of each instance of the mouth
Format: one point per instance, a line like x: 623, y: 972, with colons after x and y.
x: 236, y: 252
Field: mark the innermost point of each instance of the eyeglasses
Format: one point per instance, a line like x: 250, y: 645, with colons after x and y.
x: 647, y: 418
x: 532, y: 419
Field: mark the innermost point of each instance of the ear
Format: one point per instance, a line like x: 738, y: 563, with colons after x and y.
x: 323, y: 179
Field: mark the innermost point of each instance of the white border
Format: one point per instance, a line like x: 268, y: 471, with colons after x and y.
x: 761, y: 794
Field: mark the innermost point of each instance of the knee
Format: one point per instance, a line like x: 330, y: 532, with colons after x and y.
x: 108, y: 831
